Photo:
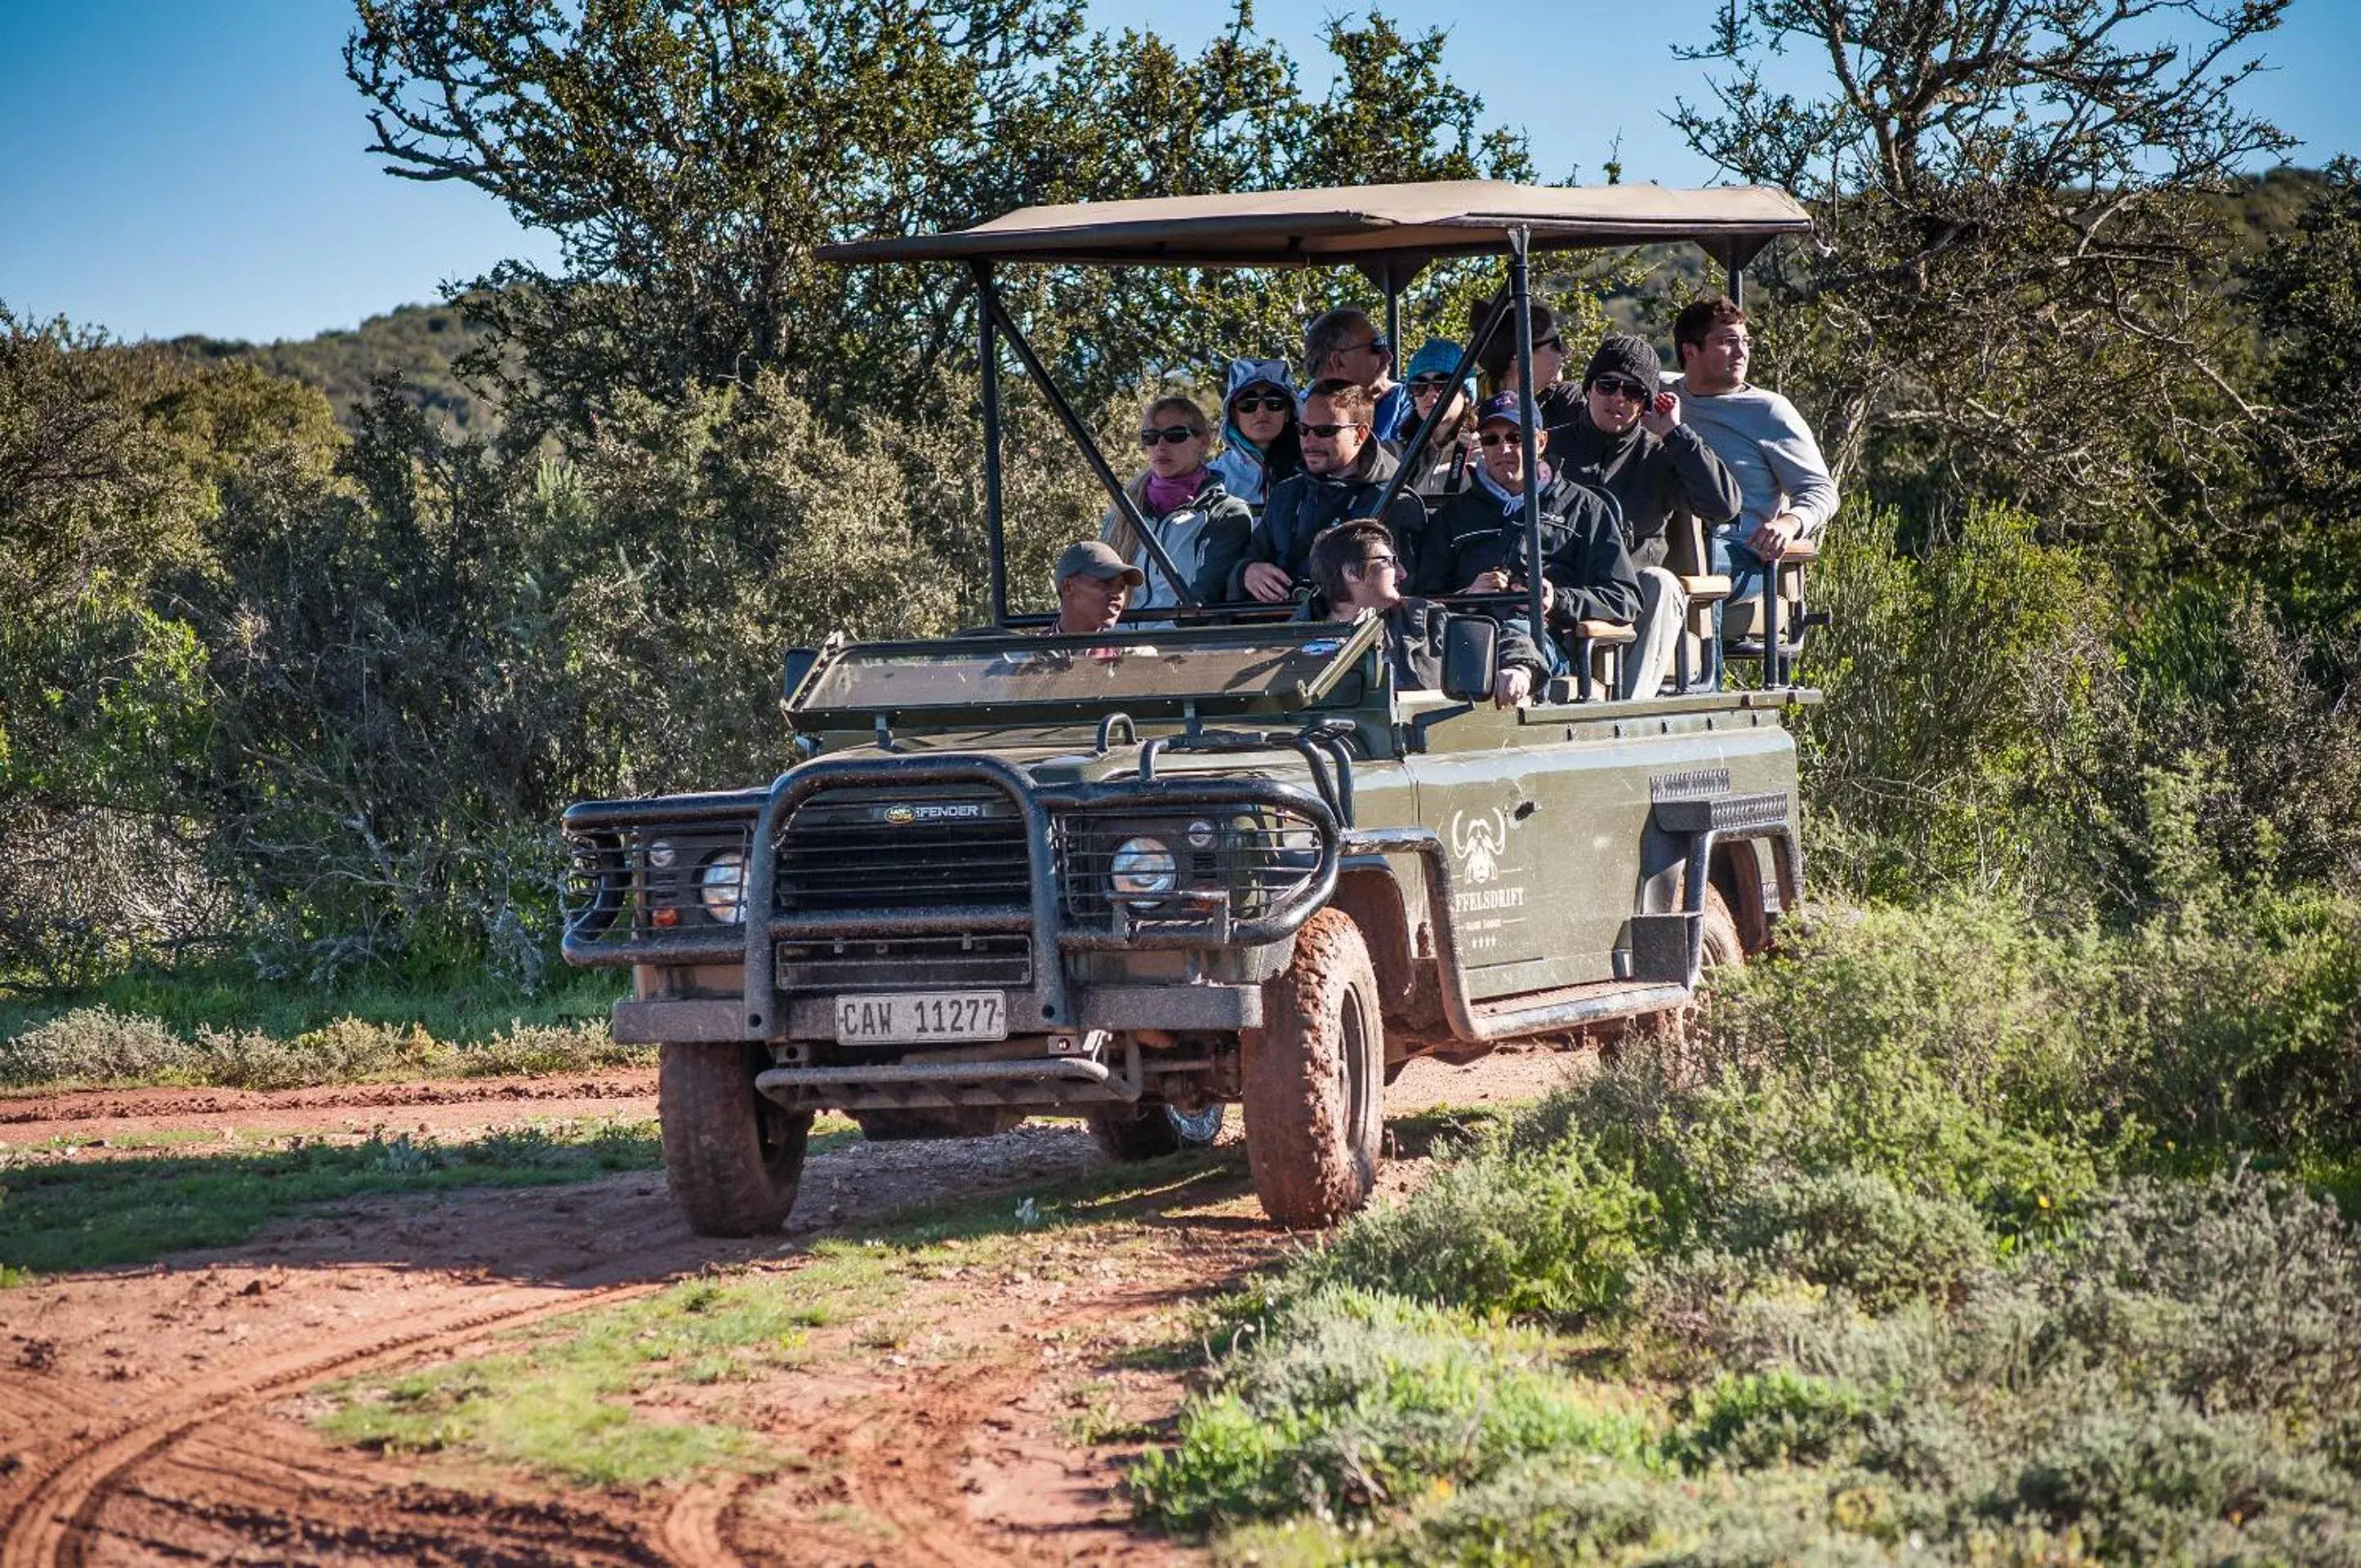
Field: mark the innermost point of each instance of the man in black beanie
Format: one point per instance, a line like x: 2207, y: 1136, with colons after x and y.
x: 1626, y: 437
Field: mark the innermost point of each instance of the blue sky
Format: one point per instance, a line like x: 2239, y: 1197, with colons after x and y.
x: 199, y: 164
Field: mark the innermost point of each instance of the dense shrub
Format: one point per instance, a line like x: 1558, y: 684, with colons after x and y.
x: 1554, y: 1237
x: 1355, y: 1402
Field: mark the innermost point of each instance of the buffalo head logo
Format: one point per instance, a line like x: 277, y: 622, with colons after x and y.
x: 1478, y: 841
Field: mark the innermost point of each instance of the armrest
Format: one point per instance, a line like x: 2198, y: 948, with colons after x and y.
x: 1801, y: 550
x: 1711, y: 588
x: 1608, y: 632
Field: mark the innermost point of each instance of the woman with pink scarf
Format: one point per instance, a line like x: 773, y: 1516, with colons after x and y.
x: 1202, y: 527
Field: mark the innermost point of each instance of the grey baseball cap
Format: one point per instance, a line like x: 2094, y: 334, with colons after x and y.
x: 1096, y: 558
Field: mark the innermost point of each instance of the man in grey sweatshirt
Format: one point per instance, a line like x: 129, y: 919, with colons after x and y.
x: 1784, y: 488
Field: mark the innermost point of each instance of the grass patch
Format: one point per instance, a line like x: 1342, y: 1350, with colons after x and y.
x: 221, y: 1028
x: 65, y: 1216
x: 561, y: 1402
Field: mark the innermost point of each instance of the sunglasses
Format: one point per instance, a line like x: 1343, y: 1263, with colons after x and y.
x: 1375, y: 345
x: 1276, y: 404
x: 1426, y: 385
x: 1617, y: 387
x: 1552, y: 341
x: 1372, y: 563
x: 1501, y: 438
x: 1175, y: 433
x: 1329, y: 431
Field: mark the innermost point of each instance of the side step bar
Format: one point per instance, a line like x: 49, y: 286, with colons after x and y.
x: 1481, y: 1022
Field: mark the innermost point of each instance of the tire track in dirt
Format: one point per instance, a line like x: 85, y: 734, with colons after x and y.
x: 56, y: 1518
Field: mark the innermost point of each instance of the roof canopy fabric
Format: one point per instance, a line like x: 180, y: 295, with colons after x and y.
x: 1368, y: 225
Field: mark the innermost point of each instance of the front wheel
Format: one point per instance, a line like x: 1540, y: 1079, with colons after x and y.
x: 732, y: 1157
x: 1312, y: 1080
x: 1150, y: 1131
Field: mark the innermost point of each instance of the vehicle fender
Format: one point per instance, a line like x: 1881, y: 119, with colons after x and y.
x: 1407, y: 987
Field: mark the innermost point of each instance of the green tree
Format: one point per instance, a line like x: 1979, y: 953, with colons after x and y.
x: 2306, y: 293
x: 690, y: 157
x: 2015, y: 291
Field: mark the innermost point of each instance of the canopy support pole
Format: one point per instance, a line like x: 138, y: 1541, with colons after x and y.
x: 998, y: 314
x: 1423, y: 434
x: 1393, y: 320
x: 1528, y: 411
x: 1735, y: 275
x: 988, y: 371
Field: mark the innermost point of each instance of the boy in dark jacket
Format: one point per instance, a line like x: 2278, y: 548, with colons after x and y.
x: 1358, y: 571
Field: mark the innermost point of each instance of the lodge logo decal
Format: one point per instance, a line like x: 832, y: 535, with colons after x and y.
x: 1479, y: 841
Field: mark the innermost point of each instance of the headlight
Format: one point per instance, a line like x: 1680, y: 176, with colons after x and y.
x: 722, y: 887
x: 661, y: 854
x: 1143, y: 866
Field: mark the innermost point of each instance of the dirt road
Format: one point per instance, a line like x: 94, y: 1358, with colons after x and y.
x: 162, y: 1415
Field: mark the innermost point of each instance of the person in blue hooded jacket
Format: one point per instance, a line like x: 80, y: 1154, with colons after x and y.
x: 1259, y: 446
x: 1447, y: 463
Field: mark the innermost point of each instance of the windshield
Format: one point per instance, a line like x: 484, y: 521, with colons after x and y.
x: 1288, y: 663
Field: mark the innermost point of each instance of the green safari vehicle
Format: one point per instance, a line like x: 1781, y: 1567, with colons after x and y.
x: 1142, y: 875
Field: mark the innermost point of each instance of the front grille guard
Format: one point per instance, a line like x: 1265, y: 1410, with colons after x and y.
x: 1048, y: 1006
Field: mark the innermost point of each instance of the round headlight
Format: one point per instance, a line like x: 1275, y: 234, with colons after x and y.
x: 1200, y: 834
x: 1143, y: 866
x: 722, y: 887
x: 659, y: 854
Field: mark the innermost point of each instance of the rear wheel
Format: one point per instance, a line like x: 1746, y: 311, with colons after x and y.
x: 732, y: 1158
x: 1150, y: 1132
x: 1312, y: 1080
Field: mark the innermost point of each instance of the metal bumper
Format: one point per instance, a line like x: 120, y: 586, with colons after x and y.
x: 1178, y: 1008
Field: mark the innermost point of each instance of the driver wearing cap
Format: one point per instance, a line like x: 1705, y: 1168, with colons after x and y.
x: 1093, y: 586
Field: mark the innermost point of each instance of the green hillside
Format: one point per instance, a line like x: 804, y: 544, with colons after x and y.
x: 413, y: 344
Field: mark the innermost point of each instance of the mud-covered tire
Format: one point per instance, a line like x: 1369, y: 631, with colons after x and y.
x: 938, y: 1122
x: 1722, y: 943
x: 732, y: 1158
x: 1150, y: 1131
x: 1312, y: 1080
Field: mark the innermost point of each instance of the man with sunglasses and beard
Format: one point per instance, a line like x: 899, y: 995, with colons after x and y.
x: 1626, y: 437
x: 1344, y: 473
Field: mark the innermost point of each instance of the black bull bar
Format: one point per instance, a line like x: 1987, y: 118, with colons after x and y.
x: 1046, y: 1005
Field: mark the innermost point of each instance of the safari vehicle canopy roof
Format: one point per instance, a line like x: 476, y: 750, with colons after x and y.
x: 1389, y: 232
x: 1346, y: 224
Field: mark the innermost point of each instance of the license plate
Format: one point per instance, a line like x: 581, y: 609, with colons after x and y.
x: 921, y: 1017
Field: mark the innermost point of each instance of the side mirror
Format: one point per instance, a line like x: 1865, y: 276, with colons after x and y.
x: 1471, y: 652
x: 799, y: 665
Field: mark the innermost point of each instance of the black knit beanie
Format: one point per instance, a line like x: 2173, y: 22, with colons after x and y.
x: 1633, y: 358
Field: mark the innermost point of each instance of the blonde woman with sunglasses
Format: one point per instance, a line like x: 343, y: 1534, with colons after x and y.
x: 1202, y: 527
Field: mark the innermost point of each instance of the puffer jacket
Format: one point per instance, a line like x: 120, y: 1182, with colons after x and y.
x: 1206, y: 539
x: 1246, y: 471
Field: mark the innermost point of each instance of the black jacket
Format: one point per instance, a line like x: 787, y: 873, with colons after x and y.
x: 1414, y: 640
x: 1651, y: 477
x: 1304, y: 506
x: 1582, y: 550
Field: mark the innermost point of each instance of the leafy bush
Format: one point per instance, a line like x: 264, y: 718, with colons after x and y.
x: 1550, y: 1235
x: 1858, y: 1232
x: 90, y: 1043
x: 1356, y: 1402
